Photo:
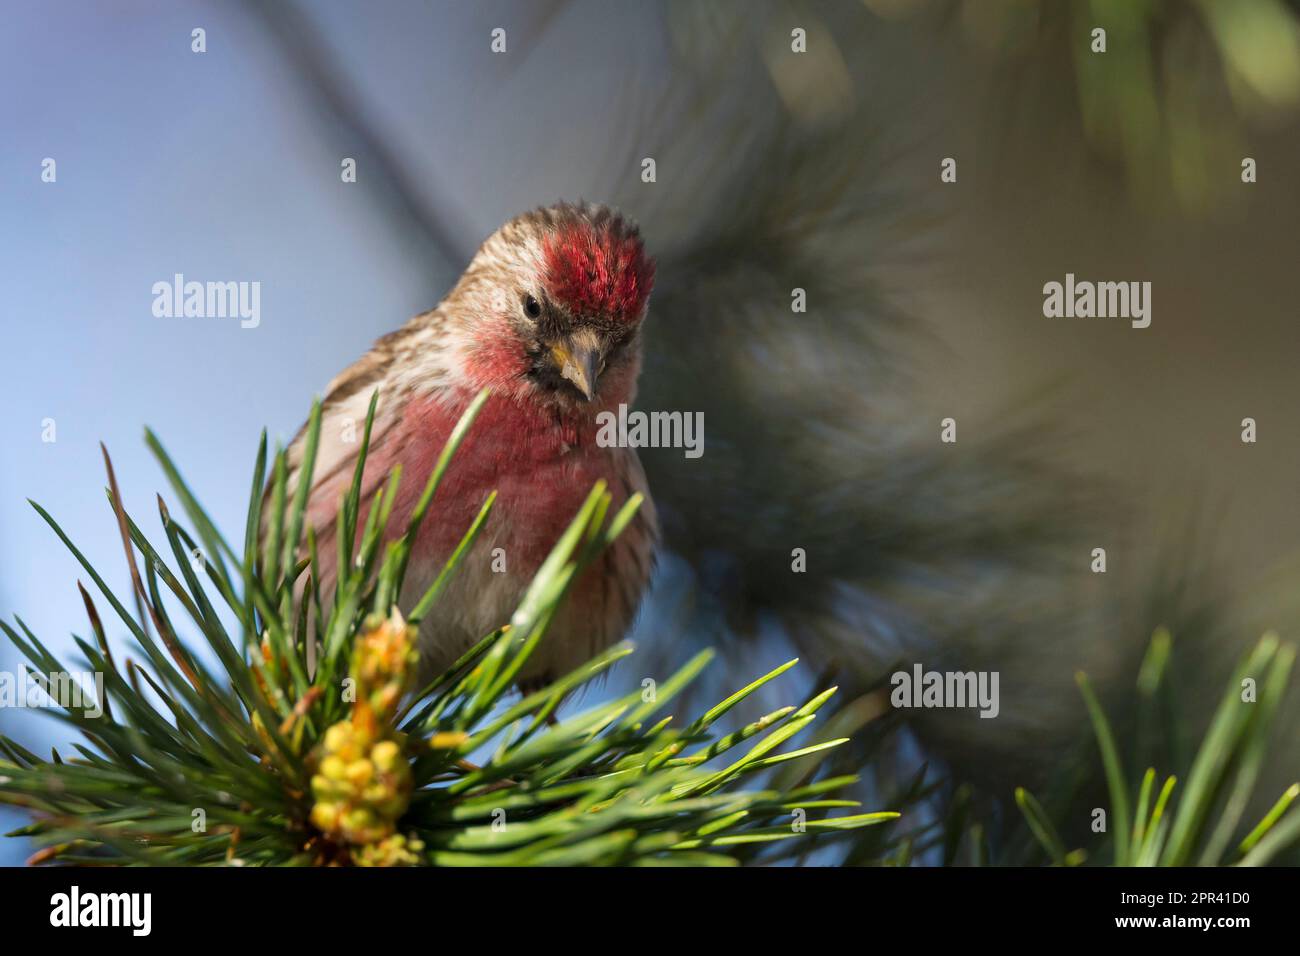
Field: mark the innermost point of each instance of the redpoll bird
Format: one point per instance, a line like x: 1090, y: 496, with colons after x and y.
x: 547, y: 316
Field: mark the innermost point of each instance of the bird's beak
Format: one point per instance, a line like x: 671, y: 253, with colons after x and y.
x: 577, y: 364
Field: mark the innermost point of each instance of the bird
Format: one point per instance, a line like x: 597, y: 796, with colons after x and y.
x: 548, y: 317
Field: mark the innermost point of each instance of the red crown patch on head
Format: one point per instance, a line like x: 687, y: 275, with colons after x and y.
x: 599, y: 269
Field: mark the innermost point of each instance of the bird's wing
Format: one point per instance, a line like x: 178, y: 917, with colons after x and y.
x: 343, y: 421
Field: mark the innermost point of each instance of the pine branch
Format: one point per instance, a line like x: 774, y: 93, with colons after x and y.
x: 286, y: 756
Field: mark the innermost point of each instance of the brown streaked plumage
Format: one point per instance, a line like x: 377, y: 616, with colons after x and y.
x: 547, y: 315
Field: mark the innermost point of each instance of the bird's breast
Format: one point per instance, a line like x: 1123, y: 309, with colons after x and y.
x: 541, y: 464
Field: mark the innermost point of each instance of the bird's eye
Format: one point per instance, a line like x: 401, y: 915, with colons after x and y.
x: 532, y: 308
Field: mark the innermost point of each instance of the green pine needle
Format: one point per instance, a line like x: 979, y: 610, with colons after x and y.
x: 188, y: 766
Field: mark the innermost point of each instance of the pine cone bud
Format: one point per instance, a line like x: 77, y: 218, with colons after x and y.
x: 361, y: 786
x: 396, y: 850
x: 383, y: 664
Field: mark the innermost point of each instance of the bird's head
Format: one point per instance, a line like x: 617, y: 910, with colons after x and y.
x: 557, y: 297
